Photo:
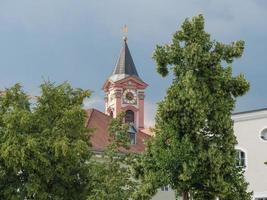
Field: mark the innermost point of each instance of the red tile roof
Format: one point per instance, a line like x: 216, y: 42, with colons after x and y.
x: 99, y: 140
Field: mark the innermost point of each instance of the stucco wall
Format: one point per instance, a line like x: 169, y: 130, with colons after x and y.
x: 247, y: 128
x: 164, y: 195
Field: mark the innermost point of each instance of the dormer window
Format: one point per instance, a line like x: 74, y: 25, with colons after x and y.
x: 132, y: 133
x: 132, y: 138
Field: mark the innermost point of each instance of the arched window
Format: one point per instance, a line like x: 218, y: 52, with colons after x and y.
x: 111, y: 114
x: 129, y: 116
x: 264, y: 134
x: 240, y: 158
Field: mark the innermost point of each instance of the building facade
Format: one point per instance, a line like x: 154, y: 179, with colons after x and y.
x: 250, y: 129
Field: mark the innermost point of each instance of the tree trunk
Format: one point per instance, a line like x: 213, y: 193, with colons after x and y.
x: 185, y: 196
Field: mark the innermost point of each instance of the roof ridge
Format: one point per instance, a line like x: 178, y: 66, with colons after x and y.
x: 96, y: 110
x: 101, y: 112
x: 90, y: 110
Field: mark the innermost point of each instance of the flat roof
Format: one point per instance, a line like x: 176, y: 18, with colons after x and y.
x: 250, y: 111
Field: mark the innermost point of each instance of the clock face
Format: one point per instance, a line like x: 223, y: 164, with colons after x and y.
x: 129, y: 96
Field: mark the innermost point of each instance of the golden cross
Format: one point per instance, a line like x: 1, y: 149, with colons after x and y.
x: 125, y: 31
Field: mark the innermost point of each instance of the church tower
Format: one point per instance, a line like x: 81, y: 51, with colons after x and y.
x: 125, y: 90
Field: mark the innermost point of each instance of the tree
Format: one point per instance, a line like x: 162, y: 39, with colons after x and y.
x: 194, y: 143
x: 44, y: 146
x: 113, y: 176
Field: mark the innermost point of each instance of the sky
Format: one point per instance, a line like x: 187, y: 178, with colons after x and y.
x: 79, y: 41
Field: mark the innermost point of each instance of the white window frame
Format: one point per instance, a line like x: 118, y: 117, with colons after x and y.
x: 238, y: 148
x: 260, y: 195
x: 165, y: 188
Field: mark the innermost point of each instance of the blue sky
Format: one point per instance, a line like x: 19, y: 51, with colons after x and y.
x: 79, y: 41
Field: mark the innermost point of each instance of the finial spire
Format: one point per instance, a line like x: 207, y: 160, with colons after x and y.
x: 125, y: 32
x: 125, y: 64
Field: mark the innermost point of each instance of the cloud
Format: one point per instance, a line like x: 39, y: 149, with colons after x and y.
x: 94, y: 102
x: 150, y: 113
x: 79, y: 40
x: 149, y: 21
x: 145, y: 18
x: 232, y: 18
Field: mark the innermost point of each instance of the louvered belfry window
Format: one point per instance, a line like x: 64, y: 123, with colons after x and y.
x: 129, y: 116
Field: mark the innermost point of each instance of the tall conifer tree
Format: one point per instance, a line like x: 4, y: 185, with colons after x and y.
x: 194, y: 143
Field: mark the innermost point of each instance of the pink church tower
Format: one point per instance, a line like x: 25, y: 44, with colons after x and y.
x: 125, y: 90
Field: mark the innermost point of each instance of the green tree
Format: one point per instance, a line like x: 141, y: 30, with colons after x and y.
x: 44, y: 146
x: 194, y: 144
x: 113, y: 176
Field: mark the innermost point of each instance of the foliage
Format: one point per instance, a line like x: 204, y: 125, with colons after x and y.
x: 44, y: 148
x: 194, y: 143
x: 118, y: 133
x: 113, y: 177
x: 149, y: 174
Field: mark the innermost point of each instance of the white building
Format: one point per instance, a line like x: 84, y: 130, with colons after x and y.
x: 251, y: 131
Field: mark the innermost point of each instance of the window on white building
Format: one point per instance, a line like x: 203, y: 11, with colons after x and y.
x: 264, y: 134
x: 261, y: 198
x: 240, y: 158
x: 165, y: 188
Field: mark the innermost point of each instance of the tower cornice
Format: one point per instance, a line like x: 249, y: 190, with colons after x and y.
x: 140, y: 84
